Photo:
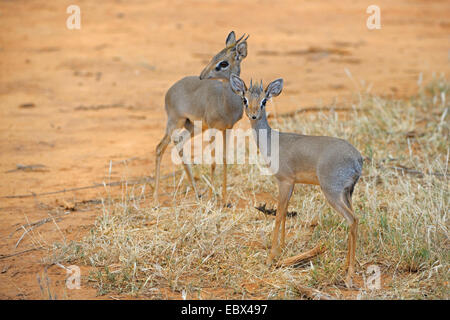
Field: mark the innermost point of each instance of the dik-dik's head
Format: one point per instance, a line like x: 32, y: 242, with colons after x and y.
x: 228, y: 60
x: 255, y: 97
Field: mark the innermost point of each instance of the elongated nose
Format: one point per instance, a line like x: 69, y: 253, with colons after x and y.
x: 203, y: 75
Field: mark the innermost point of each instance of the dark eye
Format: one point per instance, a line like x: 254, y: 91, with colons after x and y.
x: 263, y: 103
x: 244, y: 100
x: 222, y: 65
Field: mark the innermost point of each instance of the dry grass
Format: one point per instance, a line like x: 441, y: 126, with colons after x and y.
x: 200, y: 250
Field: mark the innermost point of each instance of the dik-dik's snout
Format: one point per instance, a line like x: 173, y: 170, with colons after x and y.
x: 205, y: 72
x: 252, y: 114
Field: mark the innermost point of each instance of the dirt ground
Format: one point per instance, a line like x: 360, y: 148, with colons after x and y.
x: 71, y: 101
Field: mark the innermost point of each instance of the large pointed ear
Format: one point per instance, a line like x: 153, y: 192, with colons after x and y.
x: 241, y: 50
x: 237, y: 85
x: 231, y: 39
x: 274, y: 88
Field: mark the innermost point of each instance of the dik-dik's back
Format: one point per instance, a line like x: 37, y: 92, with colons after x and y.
x: 211, y: 101
x: 320, y: 156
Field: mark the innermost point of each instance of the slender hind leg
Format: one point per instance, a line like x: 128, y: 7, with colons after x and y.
x: 340, y: 201
x: 347, y: 198
x: 160, y: 149
x: 354, y: 232
x: 284, y: 195
x: 162, y: 146
x: 187, y: 168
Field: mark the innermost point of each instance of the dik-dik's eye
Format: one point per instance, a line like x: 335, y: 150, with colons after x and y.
x: 263, y: 103
x: 222, y: 65
x: 245, y: 101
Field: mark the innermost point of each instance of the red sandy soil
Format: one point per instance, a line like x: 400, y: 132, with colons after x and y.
x: 74, y: 100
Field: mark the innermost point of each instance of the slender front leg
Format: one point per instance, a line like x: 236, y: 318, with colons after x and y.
x: 283, y: 219
x: 285, y: 191
x: 283, y: 228
x: 213, y: 164
x: 224, y: 182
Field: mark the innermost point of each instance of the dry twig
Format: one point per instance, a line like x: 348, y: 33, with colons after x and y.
x: 302, y: 257
x: 4, y: 256
x: 33, y: 225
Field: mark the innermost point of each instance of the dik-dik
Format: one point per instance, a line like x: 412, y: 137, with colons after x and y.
x: 333, y: 164
x: 208, y: 98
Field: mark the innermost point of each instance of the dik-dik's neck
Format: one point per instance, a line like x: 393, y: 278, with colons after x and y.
x: 263, y: 134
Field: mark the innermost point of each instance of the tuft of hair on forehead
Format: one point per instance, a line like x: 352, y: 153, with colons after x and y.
x: 255, y: 88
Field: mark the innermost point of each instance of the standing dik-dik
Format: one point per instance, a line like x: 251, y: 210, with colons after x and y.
x: 332, y: 163
x: 208, y: 98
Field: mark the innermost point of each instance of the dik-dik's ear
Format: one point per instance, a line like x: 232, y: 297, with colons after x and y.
x: 241, y: 50
x: 231, y: 39
x: 274, y: 88
x: 237, y: 85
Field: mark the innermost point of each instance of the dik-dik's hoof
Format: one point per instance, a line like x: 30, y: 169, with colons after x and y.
x: 269, y: 261
x: 273, y: 254
x: 349, y: 282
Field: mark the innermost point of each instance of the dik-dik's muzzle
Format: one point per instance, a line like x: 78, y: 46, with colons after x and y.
x: 204, y: 73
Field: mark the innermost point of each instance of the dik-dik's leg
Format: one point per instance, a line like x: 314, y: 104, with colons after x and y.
x: 285, y: 192
x: 187, y: 168
x: 160, y: 149
x: 162, y: 146
x: 213, y: 164
x: 347, y: 199
x: 340, y: 201
x: 283, y: 221
x: 224, y: 182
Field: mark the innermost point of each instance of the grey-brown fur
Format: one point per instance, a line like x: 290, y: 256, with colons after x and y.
x: 333, y: 164
x: 208, y: 98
